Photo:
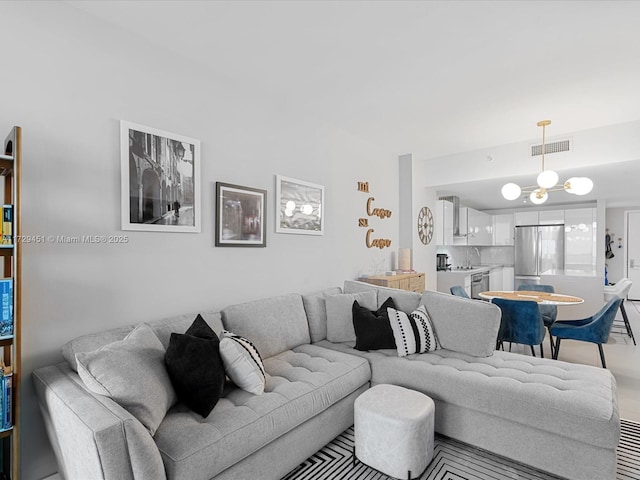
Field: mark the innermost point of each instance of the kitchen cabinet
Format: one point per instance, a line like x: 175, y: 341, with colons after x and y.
x: 503, y: 229
x: 480, y: 228
x: 446, y: 280
x: 539, y: 217
x: 464, y: 220
x: 467, y: 285
x: 508, y: 278
x: 444, y: 223
x: 580, y: 239
x: 551, y: 217
x: 527, y: 217
x: 413, y: 282
x: 495, y: 279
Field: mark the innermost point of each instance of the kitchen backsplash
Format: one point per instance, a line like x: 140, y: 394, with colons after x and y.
x: 458, y: 255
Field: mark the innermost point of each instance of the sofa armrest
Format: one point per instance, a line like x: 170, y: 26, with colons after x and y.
x: 92, y: 436
x: 463, y: 325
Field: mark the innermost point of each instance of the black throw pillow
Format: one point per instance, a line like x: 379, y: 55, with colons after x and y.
x: 195, y: 367
x: 373, y: 330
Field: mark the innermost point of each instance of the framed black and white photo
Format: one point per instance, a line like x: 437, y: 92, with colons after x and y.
x: 300, y: 206
x: 160, y: 180
x: 240, y: 216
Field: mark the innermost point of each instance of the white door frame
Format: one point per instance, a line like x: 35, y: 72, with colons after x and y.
x: 626, y: 240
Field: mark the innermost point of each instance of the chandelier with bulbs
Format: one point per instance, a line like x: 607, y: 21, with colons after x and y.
x: 547, y: 182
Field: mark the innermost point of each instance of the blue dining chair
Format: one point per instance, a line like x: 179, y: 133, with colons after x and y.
x: 520, y: 323
x: 458, y: 291
x: 549, y: 313
x: 594, y: 329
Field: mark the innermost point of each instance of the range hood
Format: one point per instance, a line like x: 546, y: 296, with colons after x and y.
x: 456, y: 214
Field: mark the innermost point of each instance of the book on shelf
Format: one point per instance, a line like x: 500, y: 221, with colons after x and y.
x: 7, y: 391
x: 7, y: 225
x: 2, y: 397
x: 6, y: 396
x: 6, y: 307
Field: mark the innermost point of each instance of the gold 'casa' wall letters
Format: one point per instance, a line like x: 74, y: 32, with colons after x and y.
x: 381, y: 213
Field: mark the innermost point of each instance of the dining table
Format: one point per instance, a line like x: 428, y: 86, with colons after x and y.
x: 542, y: 298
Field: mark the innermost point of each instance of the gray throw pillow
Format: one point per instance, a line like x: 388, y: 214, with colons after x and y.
x: 131, y: 372
x: 340, y: 314
x: 463, y: 325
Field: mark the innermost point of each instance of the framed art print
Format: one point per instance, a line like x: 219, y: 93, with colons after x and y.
x: 240, y: 216
x: 300, y: 206
x: 160, y: 175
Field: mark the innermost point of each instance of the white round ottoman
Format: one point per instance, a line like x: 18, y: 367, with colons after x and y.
x: 394, y: 430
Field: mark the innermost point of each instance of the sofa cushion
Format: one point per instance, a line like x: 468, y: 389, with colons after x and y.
x: 180, y: 323
x: 348, y: 347
x: 91, y: 342
x: 273, y: 325
x: 242, y: 363
x: 404, y: 300
x: 570, y: 400
x: 195, y: 367
x: 340, y: 314
x: 316, y: 308
x: 301, y: 383
x: 372, y: 328
x: 162, y: 328
x: 133, y: 373
x: 463, y: 325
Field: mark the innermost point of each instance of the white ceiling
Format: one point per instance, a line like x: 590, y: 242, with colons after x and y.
x: 424, y: 77
x: 619, y: 184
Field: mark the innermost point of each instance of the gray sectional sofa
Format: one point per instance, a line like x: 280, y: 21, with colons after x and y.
x: 555, y: 416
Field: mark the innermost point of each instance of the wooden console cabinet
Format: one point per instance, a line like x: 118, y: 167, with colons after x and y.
x: 405, y: 281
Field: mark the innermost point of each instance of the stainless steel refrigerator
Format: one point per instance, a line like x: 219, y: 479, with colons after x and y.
x: 537, y: 249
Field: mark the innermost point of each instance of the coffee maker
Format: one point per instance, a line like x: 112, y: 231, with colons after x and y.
x: 442, y: 264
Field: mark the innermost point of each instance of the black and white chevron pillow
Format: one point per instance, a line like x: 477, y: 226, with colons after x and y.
x: 413, y: 333
x: 242, y: 362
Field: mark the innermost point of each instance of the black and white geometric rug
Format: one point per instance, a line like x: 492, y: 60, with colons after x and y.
x: 454, y: 460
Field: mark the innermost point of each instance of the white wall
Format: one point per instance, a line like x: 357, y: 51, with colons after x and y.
x: 615, y: 224
x: 413, y: 196
x: 424, y: 255
x: 67, y: 81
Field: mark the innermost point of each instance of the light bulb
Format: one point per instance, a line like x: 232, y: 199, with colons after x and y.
x: 306, y: 209
x: 548, y: 179
x: 538, y: 196
x: 511, y: 191
x: 578, y: 185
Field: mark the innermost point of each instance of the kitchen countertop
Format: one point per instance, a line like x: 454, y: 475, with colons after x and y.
x: 474, y: 269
